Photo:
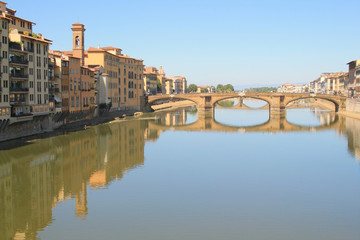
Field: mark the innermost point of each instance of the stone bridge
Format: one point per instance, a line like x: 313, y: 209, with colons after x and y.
x: 278, y: 102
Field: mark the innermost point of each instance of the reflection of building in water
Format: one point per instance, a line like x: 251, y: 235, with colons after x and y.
x: 37, y: 177
x: 353, y: 136
x: 174, y: 118
x: 325, y: 117
x: 6, y: 200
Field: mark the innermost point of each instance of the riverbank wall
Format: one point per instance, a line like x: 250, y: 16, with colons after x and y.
x: 63, y: 122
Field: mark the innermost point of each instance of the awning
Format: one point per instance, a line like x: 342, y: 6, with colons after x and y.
x: 57, y: 99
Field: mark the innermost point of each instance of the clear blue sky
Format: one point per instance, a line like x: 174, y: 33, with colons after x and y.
x: 210, y: 42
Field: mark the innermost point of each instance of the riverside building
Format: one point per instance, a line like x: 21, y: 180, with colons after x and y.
x: 124, y: 84
x: 24, y: 68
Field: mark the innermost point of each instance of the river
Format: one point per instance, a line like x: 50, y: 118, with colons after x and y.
x: 176, y: 175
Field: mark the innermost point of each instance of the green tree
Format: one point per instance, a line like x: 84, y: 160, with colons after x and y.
x: 192, y: 88
x: 219, y: 88
x: 228, y: 88
x: 204, y: 90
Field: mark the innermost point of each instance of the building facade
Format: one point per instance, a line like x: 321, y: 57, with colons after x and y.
x: 24, y: 68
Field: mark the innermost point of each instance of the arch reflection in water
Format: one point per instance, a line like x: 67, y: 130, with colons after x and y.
x: 310, y: 117
x: 273, y: 124
x: 240, y: 117
x: 37, y: 177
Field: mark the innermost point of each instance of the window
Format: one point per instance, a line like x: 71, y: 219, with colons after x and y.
x: 4, y: 54
x: 4, y: 25
x: 38, y: 71
x: 72, y: 102
x: 39, y: 99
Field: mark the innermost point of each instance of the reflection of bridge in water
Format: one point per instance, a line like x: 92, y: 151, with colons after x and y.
x: 273, y: 124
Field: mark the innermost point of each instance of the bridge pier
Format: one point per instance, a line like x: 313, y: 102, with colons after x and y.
x: 205, y: 105
x: 277, y: 107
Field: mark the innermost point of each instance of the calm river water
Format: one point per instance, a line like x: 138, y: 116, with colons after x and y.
x: 174, y: 176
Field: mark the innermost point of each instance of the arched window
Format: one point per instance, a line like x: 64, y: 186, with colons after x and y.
x: 77, y: 41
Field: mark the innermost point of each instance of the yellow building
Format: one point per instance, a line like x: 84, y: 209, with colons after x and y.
x: 27, y: 68
x: 4, y: 64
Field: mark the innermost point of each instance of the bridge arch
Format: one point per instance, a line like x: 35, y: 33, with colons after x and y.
x: 168, y: 97
x: 336, y: 104
x: 243, y: 97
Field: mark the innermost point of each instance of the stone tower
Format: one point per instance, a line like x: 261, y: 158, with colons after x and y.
x: 78, y: 30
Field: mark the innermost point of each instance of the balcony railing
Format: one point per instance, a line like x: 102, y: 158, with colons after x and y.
x: 21, y: 114
x: 51, y: 78
x: 17, y: 100
x: 52, y: 90
x: 18, y: 75
x: 15, y: 46
x: 18, y: 61
x: 19, y: 89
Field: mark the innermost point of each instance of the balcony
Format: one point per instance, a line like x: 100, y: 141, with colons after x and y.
x: 18, y: 75
x: 54, y: 90
x: 22, y: 116
x: 15, y: 46
x: 51, y: 78
x: 19, y: 89
x: 17, y: 100
x: 56, y: 75
x: 18, y: 61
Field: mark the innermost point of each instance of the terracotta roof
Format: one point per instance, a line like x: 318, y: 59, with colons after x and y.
x: 92, y: 49
x: 111, y: 48
x: 37, y: 39
x: 13, y: 16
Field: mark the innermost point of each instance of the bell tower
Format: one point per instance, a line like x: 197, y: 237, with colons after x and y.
x: 78, y: 30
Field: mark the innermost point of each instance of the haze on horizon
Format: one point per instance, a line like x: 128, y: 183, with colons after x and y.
x: 211, y: 42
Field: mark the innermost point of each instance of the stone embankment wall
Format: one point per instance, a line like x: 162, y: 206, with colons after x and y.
x: 353, y: 106
x: 38, y: 125
x: 58, y: 123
